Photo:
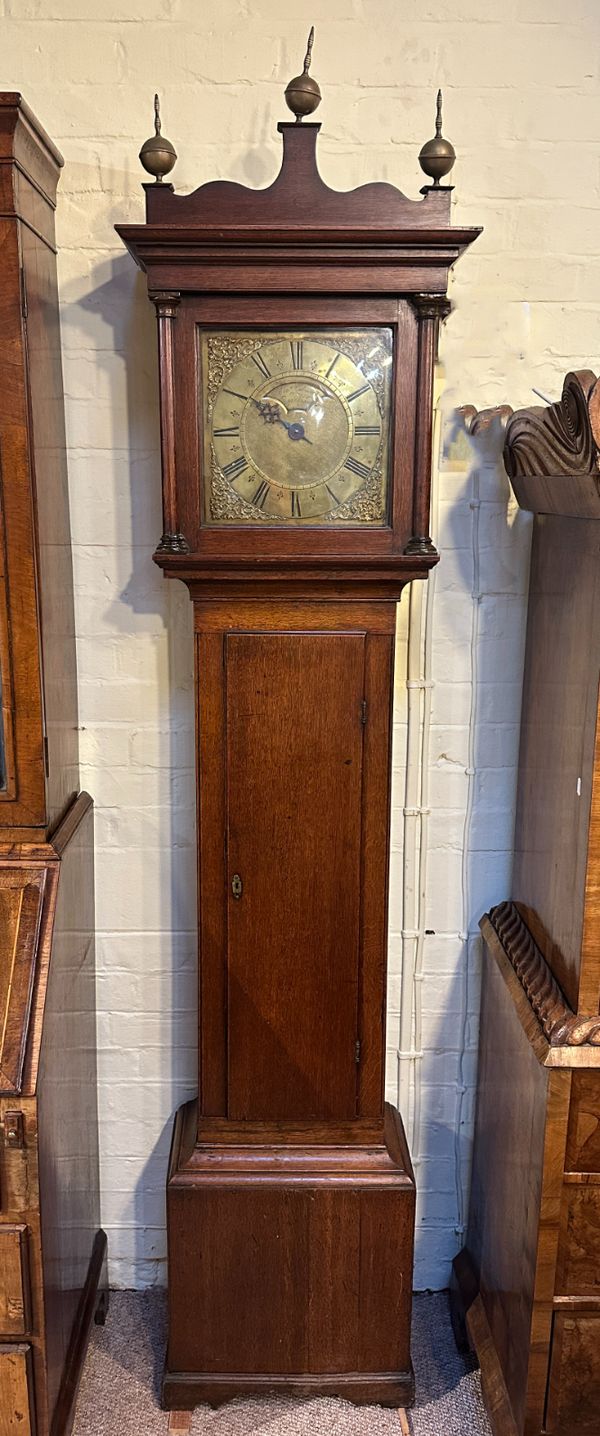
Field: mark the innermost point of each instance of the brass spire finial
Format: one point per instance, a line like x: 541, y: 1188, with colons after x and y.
x: 303, y: 94
x: 438, y: 155
x: 158, y: 155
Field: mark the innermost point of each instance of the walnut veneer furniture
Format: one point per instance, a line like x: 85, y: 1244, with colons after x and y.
x: 528, y: 1279
x: 51, y: 1246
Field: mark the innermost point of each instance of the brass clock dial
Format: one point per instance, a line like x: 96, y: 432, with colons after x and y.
x: 296, y: 426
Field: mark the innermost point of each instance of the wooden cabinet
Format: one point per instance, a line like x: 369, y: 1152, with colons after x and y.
x: 51, y: 1247
x: 528, y: 1279
x: 297, y: 336
x: 37, y: 634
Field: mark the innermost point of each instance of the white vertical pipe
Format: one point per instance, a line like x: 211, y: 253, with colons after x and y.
x: 476, y: 595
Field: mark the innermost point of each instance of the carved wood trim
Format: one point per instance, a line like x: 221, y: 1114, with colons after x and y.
x: 558, y: 439
x: 561, y: 1026
x: 478, y: 421
x: 296, y: 192
x: 298, y: 217
x: 561, y: 440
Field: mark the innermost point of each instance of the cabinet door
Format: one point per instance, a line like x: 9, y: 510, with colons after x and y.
x: 16, y: 1391
x: 294, y: 754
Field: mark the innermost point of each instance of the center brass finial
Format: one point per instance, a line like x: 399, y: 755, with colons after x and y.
x: 303, y: 94
x: 157, y: 154
x: 438, y: 155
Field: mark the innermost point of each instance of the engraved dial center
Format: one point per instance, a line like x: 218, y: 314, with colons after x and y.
x: 297, y: 430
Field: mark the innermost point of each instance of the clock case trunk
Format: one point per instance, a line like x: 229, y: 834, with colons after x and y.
x: 290, y: 1197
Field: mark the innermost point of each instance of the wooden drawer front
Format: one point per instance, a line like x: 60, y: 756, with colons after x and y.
x: 578, y: 1271
x: 16, y: 1392
x: 583, y: 1140
x: 574, y: 1388
x: 14, y: 1281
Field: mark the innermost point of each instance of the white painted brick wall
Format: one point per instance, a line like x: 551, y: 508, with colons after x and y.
x: 521, y: 106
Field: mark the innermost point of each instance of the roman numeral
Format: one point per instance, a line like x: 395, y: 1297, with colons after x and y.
x: 236, y: 395
x: 332, y: 495
x: 226, y: 433
x: 332, y: 366
x: 296, y: 510
x: 235, y: 468
x: 357, y: 393
x: 297, y: 349
x: 356, y: 467
x: 261, y: 495
x: 260, y: 364
x: 367, y: 429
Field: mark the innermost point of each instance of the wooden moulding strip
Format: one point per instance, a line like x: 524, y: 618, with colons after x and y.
x: 492, y: 1381
x: 559, y: 1037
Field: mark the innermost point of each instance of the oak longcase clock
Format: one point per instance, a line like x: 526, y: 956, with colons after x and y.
x: 297, y: 332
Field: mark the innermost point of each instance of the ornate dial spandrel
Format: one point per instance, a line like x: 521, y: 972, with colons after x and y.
x: 296, y: 426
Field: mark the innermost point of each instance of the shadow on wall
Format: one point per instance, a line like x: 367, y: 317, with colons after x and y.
x: 116, y: 487
x: 480, y: 603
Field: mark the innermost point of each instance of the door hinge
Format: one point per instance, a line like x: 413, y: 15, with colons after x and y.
x: 357, y: 1047
x: 363, y: 711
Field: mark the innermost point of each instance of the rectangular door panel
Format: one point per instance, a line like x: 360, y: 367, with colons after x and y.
x: 16, y: 1392
x: 574, y: 1385
x: 294, y: 803
x: 14, y: 1281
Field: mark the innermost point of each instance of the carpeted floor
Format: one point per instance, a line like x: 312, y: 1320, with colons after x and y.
x: 119, y: 1389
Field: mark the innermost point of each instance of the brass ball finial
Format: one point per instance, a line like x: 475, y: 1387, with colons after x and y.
x: 438, y: 155
x: 303, y: 94
x: 158, y: 155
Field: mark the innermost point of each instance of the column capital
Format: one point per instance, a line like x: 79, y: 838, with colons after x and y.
x: 430, y: 306
x: 166, y: 302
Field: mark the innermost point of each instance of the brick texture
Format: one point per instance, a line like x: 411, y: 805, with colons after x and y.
x: 521, y: 104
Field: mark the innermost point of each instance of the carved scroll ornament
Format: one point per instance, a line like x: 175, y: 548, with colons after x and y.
x: 561, y: 1026
x: 564, y: 438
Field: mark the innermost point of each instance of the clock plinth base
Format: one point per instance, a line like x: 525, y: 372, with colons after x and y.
x: 290, y: 1262
x: 182, y: 1391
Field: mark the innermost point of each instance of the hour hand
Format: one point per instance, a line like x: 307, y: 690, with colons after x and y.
x: 269, y: 410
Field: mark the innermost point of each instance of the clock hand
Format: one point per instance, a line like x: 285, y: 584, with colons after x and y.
x: 269, y: 414
x: 295, y: 431
x: 267, y: 409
